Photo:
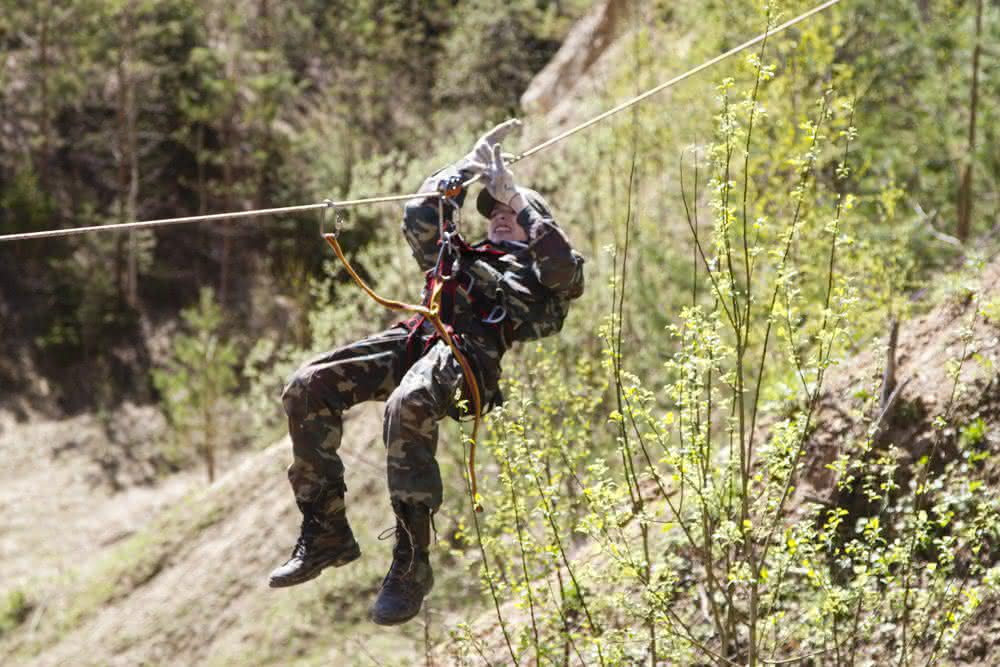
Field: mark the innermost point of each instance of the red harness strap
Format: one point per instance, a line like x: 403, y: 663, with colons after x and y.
x: 449, y: 286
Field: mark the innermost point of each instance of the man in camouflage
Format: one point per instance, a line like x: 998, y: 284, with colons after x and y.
x: 514, y: 286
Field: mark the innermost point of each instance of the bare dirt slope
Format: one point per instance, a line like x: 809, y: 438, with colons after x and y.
x: 953, y: 335
x: 947, y: 366
x: 190, y: 587
x: 67, y: 490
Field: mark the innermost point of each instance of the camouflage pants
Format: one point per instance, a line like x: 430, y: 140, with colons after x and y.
x: 374, y: 368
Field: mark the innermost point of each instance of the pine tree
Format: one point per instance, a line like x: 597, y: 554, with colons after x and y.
x: 199, y: 380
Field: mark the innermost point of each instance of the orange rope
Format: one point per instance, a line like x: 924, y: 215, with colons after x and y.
x: 432, y: 313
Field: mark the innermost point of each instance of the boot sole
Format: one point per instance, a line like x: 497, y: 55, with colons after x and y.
x: 399, y: 621
x: 393, y: 621
x: 338, y: 561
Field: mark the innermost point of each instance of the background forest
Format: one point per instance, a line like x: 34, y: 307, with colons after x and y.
x: 766, y: 435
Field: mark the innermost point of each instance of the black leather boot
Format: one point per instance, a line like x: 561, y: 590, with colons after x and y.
x: 410, y: 577
x: 325, y: 541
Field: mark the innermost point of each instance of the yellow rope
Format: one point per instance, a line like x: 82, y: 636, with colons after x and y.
x: 433, y: 313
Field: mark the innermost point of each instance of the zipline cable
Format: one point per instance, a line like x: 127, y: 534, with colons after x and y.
x: 347, y: 203
x: 165, y: 222
x: 672, y: 82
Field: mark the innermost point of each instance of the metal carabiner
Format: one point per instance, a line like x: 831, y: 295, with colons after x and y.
x: 496, y: 315
x: 338, y: 220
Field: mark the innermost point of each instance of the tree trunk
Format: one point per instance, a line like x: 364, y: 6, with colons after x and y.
x: 263, y: 172
x: 227, y: 184
x: 200, y: 162
x: 964, y: 223
x: 122, y: 113
x: 131, y: 207
x: 43, y: 66
x: 208, y: 450
x: 133, y: 199
x: 230, y: 152
x: 210, y: 461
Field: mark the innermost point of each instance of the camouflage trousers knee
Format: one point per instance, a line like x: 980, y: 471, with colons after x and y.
x: 417, y: 396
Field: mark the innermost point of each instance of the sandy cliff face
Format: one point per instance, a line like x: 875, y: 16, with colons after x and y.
x: 589, y: 39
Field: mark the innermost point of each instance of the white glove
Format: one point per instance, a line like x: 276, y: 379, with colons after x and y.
x: 498, y: 179
x: 481, y: 157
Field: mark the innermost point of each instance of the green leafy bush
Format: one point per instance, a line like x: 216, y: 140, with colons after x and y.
x: 658, y: 522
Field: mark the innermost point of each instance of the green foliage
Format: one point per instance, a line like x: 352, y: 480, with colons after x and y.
x: 928, y: 82
x: 24, y: 205
x: 991, y: 311
x: 974, y: 433
x: 14, y: 610
x: 117, y: 110
x: 197, y: 383
x: 86, y: 315
x: 634, y: 522
x: 642, y: 494
x: 518, y: 39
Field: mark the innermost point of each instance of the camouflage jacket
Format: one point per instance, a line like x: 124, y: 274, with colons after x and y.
x: 527, y: 285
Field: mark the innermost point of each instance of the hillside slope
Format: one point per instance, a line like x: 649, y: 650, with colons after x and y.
x: 927, y: 347
x: 190, y: 587
x: 967, y: 448
x: 72, y: 487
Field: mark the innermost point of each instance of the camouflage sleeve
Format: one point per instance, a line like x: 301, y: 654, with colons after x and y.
x: 557, y: 266
x: 421, y: 223
x: 537, y: 318
x: 420, y: 227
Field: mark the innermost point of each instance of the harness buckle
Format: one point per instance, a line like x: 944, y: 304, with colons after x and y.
x: 467, y: 281
x: 496, y: 315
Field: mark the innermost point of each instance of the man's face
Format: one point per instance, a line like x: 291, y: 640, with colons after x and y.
x: 503, y: 225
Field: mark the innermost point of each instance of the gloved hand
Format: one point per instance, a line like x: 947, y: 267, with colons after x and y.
x: 480, y: 158
x: 499, y: 180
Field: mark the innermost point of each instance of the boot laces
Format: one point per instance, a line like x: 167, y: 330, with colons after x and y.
x: 400, y: 552
x: 307, y: 532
